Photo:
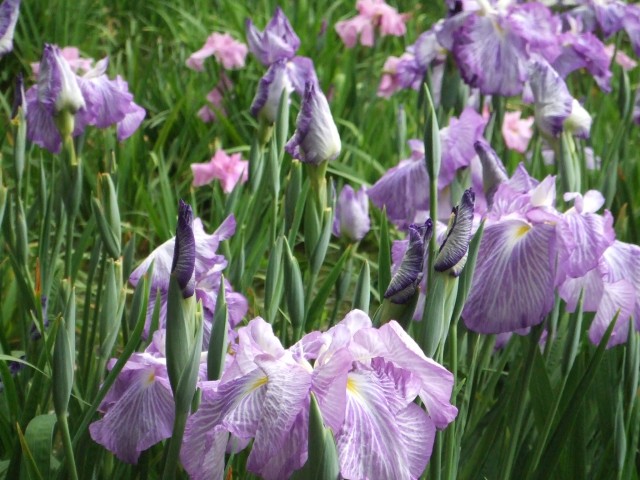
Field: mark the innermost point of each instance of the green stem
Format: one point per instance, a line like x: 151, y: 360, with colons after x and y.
x: 68, y: 448
x: 450, y: 436
x: 175, y: 442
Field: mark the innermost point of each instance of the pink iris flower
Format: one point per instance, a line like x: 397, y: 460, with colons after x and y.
x: 517, y: 131
x: 228, y: 51
x: 371, y: 14
x: 229, y: 169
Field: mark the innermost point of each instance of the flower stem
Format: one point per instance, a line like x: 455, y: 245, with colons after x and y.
x: 68, y: 448
x: 175, y: 442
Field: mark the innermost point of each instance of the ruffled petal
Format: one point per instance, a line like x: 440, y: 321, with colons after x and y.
x: 513, y: 284
x: 619, y: 296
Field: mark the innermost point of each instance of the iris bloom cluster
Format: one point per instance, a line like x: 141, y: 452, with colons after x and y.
x: 89, y: 99
x: 365, y: 380
x: 275, y: 47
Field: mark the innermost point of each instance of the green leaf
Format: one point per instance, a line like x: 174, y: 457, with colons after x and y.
x: 39, y: 438
x: 317, y: 306
x: 362, y: 294
x: 384, y: 255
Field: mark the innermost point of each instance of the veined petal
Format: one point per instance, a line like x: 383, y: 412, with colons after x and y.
x: 271, y: 87
x: 553, y: 102
x: 436, y: 381
x: 204, y: 445
x: 490, y: 56
x: 41, y: 127
x: 9, y: 11
x: 330, y: 387
x: 403, y: 191
x: 141, y: 417
x: 618, y: 296
x: 514, y: 279
x: 582, y: 239
x: 371, y: 443
x: 287, y: 395
x: 592, y: 287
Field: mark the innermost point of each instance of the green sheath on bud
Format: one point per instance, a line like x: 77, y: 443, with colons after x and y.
x: 64, y: 353
x: 292, y: 194
x: 294, y: 289
x: 274, y: 282
x: 323, y: 462
x: 105, y: 208
x: 112, y: 307
x: 218, y: 341
x: 362, y: 294
x: 180, y: 331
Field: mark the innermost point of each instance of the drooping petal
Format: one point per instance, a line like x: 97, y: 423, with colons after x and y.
x: 591, y: 287
x: 403, y: 191
x: 553, y: 102
x: 581, y: 241
x: 490, y: 56
x: 41, y: 126
x: 330, y: 387
x: 287, y: 394
x: 9, y: 11
x: 436, y: 381
x: 493, y: 171
x: 617, y: 297
x: 371, y: 443
x: 513, y: 283
x: 140, y: 418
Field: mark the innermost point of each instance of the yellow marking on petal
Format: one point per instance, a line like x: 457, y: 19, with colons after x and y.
x: 151, y: 378
x: 351, y: 386
x: 522, y: 231
x: 259, y: 382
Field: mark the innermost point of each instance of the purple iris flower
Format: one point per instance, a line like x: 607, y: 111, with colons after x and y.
x: 138, y: 410
x: 636, y: 108
x: 352, y: 214
x: 365, y: 380
x: 513, y: 284
x: 555, y: 108
x: 403, y: 190
x: 207, y: 276
x: 582, y: 235
x: 614, y: 285
x: 91, y: 99
x: 282, y: 76
x: 631, y: 23
x: 9, y: 11
x: 316, y: 138
x: 584, y: 50
x: 278, y: 41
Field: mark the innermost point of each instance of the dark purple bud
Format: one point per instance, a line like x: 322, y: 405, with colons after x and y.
x: 18, y: 98
x: 184, y: 253
x: 453, y: 251
x: 406, y: 280
x: 493, y: 171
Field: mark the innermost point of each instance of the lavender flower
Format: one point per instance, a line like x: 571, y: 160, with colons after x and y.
x: 207, y: 276
x: 91, y: 99
x: 365, y: 381
x: 278, y: 41
x: 555, y: 108
x: 228, y: 51
x: 138, y: 410
x: 316, y: 138
x: 9, y: 11
x: 352, y: 214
